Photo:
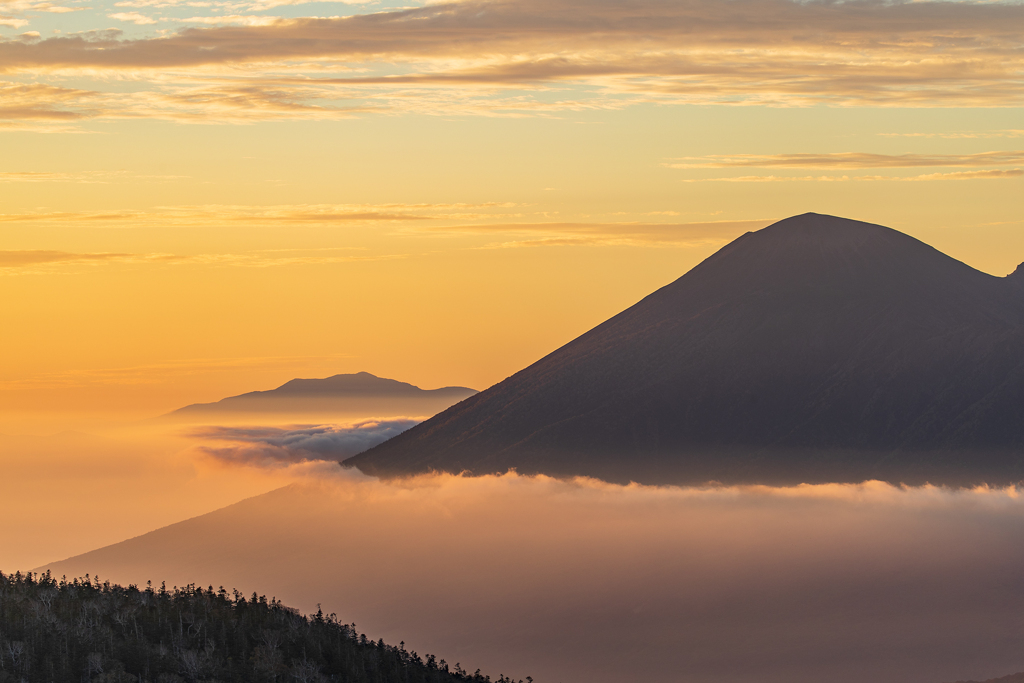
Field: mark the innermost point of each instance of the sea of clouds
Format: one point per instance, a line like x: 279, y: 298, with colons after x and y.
x: 282, y: 446
x: 583, y: 581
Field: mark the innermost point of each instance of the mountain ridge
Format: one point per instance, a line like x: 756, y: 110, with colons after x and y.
x: 301, y: 395
x: 817, y: 348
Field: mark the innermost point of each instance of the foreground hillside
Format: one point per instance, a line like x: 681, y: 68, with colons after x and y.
x: 91, y: 631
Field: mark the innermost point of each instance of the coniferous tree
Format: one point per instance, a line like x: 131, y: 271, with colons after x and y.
x: 97, y: 632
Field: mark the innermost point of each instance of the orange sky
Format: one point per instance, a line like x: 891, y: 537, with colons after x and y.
x: 200, y: 199
x: 228, y: 196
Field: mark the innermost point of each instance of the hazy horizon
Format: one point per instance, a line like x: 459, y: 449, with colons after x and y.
x: 73, y: 486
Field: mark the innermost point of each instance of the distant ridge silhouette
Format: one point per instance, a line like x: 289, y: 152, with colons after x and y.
x: 1012, y: 678
x: 359, y: 392
x: 816, y: 349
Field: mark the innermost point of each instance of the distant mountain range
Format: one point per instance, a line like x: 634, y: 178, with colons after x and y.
x: 816, y: 349
x: 360, y: 394
x: 1012, y: 678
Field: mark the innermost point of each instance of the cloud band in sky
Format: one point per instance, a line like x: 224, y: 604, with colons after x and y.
x: 853, y: 160
x: 462, y: 57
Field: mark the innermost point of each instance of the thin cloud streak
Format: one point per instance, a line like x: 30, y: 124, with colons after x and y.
x: 277, y: 446
x: 45, y: 262
x: 465, y: 57
x: 257, y: 6
x: 20, y: 259
x: 237, y: 19
x: 156, y: 373
x: 605, y: 234
x: 852, y: 160
x: 325, y: 214
x: 995, y: 174
x: 49, y: 177
x: 961, y: 135
x: 133, y: 17
x: 464, y: 29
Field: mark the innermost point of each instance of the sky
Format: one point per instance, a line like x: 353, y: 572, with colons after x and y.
x: 205, y: 197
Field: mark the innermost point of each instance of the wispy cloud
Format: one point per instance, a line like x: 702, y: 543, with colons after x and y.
x: 275, y: 447
x: 49, y: 177
x: 853, y: 160
x: 993, y: 174
x: 39, y: 102
x: 213, y: 214
x: 408, y: 219
x: 155, y: 373
x: 467, y: 57
x: 22, y: 6
x: 604, y: 234
x: 233, y: 5
x: 133, y: 17
x: 43, y: 261
x: 961, y: 135
x: 21, y: 259
x: 184, y: 99
x: 236, y: 19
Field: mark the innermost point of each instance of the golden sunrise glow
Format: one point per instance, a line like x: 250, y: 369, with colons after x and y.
x: 195, y: 204
x: 205, y: 198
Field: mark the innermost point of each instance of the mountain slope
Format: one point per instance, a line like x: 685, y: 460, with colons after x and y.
x: 62, y: 628
x: 816, y: 349
x: 360, y: 393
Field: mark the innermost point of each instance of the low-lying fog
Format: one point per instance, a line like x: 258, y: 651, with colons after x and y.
x: 588, y: 582
x: 68, y: 487
x: 563, y: 581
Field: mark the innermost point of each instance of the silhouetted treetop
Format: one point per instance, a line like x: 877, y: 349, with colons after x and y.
x: 88, y: 630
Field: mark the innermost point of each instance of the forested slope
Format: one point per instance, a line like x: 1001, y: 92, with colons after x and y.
x: 84, y: 630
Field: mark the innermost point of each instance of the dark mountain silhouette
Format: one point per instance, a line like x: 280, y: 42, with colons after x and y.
x: 1012, y: 678
x: 357, y: 394
x: 816, y: 349
x: 105, y: 633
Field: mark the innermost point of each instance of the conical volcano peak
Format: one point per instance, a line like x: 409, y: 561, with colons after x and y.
x: 816, y: 349
x: 817, y: 236
x: 846, y: 257
x: 825, y: 227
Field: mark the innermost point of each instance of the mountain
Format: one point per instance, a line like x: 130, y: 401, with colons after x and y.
x: 360, y: 394
x: 816, y: 349
x: 236, y: 639
x: 1012, y: 678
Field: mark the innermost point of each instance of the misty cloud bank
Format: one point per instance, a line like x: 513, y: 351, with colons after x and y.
x: 277, y: 446
x: 586, y: 582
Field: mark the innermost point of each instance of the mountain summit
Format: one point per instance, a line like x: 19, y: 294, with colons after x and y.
x: 360, y: 394
x: 816, y: 349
